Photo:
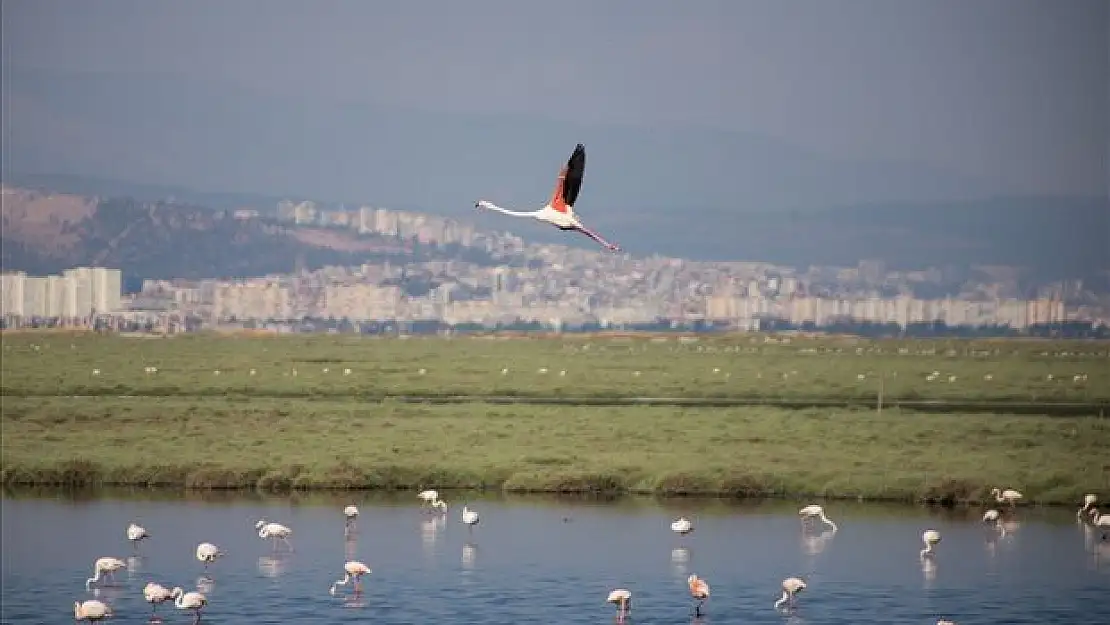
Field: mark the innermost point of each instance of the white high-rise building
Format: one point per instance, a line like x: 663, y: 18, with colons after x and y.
x: 11, y: 293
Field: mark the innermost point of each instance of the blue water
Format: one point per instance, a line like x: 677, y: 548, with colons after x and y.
x: 545, y: 561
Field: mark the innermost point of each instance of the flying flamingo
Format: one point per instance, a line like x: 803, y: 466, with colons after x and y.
x: 189, y: 601
x: 207, y: 553
x: 682, y: 526
x: 791, y: 586
x: 1009, y: 496
x: 1088, y: 501
x: 930, y: 538
x: 469, y: 517
x: 699, y: 590
x: 155, y: 594
x: 559, y: 211
x: 275, y: 531
x: 352, y: 570
x: 623, y: 599
x: 815, y: 511
x: 105, y: 566
x: 350, y: 513
x: 91, y: 610
x: 136, y: 533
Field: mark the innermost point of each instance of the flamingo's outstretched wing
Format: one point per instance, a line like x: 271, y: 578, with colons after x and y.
x: 569, y: 182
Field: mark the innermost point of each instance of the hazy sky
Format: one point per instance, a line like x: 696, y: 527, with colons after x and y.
x: 1015, y: 91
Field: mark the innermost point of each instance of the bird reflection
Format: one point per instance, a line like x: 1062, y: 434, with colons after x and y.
x: 107, y: 593
x: 929, y: 570
x: 430, y: 530
x: 814, y: 545
x: 1009, y: 528
x: 205, y: 584
x: 680, y: 557
x: 273, y: 566
x: 350, y: 546
x: 355, y: 600
x: 469, y: 553
x: 134, y: 565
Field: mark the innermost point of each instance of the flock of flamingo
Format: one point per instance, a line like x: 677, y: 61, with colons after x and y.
x: 354, y: 570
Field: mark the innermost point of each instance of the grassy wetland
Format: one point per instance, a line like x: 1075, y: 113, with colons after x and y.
x: 82, y: 409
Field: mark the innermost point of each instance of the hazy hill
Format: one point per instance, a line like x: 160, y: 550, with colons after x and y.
x: 46, y: 233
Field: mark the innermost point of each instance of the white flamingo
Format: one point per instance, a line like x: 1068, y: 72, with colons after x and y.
x: 1101, y: 522
x: 791, y: 586
x: 559, y: 211
x: 682, y: 526
x: 994, y: 517
x: 91, y: 610
x: 350, y: 513
x: 427, y: 496
x: 274, y: 531
x: 207, y: 553
x: 440, y: 506
x: 106, y: 566
x: 930, y: 538
x: 1088, y: 501
x: 699, y: 590
x: 155, y: 594
x: 353, y: 570
x: 136, y: 533
x: 1008, y: 495
x: 622, y: 598
x: 469, y: 517
x: 944, y: 621
x: 194, y: 601
x: 815, y: 511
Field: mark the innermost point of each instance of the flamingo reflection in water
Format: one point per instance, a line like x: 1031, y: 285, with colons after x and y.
x: 273, y: 566
x: 814, y: 545
x: 680, y: 557
x: 469, y: 555
x: 929, y: 571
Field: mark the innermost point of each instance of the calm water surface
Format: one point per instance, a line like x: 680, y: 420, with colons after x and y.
x: 547, y: 561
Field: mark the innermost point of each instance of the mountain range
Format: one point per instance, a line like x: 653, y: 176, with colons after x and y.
x: 677, y: 191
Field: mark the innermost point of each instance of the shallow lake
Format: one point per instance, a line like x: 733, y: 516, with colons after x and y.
x: 542, y: 560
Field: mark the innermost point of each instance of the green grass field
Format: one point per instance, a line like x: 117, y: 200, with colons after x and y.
x: 277, y: 444
x: 186, y: 425
x: 755, y: 366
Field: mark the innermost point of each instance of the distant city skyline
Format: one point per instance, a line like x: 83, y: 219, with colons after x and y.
x: 984, y: 98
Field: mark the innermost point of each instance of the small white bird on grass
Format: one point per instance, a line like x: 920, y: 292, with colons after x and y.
x: 622, y: 598
x: 136, y: 533
x: 1008, y: 495
x: 91, y: 610
x: 791, y: 586
x: 931, y: 538
x: 275, y: 532
x: 106, y: 566
x: 353, y: 570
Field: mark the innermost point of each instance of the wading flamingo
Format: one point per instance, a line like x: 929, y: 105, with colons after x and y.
x: 274, y: 531
x: 353, y: 570
x: 136, y: 533
x: 1088, y: 501
x: 440, y: 506
x: 194, y: 601
x: 699, y: 590
x: 91, y: 610
x: 1008, y: 495
x: 559, y: 211
x: 156, y: 594
x: 207, y: 553
x: 350, y: 513
x: 815, y: 511
x: 106, y: 566
x: 427, y: 496
x: 469, y: 517
x: 930, y: 538
x: 623, y: 600
x: 791, y: 586
x: 944, y: 621
x: 682, y: 526
x: 994, y: 517
x: 1101, y: 522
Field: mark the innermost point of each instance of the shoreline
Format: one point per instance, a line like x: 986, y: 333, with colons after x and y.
x: 83, y: 475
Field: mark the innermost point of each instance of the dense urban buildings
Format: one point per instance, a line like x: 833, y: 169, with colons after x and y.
x: 78, y: 294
